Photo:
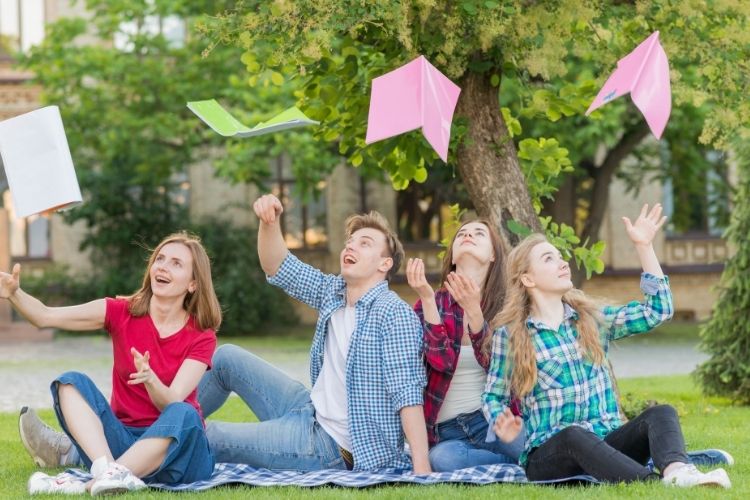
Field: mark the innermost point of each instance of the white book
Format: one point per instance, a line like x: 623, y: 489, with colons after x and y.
x: 37, y: 162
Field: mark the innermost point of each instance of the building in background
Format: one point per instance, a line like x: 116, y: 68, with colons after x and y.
x: 314, y: 230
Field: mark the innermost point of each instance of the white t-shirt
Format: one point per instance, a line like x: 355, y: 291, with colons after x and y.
x: 329, y: 392
x: 467, y: 386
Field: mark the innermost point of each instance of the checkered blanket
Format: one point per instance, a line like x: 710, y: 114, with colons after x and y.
x: 225, y: 474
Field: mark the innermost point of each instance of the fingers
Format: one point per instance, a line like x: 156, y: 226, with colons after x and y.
x: 16, y: 272
x: 268, y: 208
x: 661, y: 222
x: 644, y: 210
x: 628, y: 224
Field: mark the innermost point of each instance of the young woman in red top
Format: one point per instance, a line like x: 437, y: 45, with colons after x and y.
x: 454, y: 321
x: 163, y: 337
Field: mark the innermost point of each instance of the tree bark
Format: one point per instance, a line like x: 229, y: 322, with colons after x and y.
x: 488, y: 161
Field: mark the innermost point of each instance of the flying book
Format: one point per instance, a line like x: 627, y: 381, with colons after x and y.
x: 416, y: 95
x: 37, y: 162
x: 645, y: 74
x: 223, y: 123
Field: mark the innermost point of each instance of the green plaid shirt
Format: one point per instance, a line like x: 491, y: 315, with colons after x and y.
x: 570, y: 389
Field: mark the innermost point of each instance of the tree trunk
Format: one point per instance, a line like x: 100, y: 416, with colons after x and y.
x: 488, y: 162
x: 602, y: 176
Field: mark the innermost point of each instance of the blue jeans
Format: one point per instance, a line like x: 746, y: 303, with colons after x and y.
x: 188, y: 457
x: 287, y: 436
x: 462, y: 444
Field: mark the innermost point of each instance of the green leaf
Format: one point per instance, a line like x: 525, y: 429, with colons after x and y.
x: 277, y: 78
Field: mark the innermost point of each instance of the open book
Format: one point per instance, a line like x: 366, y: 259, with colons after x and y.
x: 227, y: 125
x: 37, y: 162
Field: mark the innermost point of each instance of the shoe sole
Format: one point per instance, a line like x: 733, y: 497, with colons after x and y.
x: 109, y: 492
x: 37, y: 460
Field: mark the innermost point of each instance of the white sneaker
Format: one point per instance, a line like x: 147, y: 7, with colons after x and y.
x: 688, y: 476
x: 112, y: 478
x: 63, y: 483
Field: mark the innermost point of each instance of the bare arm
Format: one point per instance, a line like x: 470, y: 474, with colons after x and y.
x: 89, y: 316
x: 642, y: 233
x: 418, y: 282
x: 415, y: 430
x: 271, y: 245
x: 185, y: 381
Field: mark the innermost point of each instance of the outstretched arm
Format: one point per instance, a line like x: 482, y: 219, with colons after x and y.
x: 89, y: 316
x: 271, y: 245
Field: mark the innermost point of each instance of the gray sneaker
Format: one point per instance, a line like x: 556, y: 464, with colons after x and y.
x: 47, y: 447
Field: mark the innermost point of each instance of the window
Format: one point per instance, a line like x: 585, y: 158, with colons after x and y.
x: 697, y: 201
x: 303, y: 223
x: 21, y: 23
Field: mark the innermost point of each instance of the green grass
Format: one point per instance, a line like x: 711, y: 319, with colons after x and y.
x: 707, y: 422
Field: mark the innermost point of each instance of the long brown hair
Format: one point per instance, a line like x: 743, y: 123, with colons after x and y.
x: 201, y: 304
x: 493, y: 288
x: 517, y: 308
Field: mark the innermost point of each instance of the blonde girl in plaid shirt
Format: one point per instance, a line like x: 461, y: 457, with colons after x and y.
x: 550, y: 353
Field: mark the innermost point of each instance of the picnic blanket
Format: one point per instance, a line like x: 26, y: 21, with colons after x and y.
x: 225, y: 474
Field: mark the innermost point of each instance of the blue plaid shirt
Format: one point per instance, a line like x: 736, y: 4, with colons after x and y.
x: 384, y: 368
x: 570, y: 389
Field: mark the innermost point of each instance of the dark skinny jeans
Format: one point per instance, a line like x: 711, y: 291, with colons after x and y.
x: 619, y: 457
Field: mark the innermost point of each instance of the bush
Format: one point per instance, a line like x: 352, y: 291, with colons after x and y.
x: 726, y: 336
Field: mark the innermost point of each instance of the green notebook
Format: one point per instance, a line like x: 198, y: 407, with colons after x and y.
x: 219, y: 119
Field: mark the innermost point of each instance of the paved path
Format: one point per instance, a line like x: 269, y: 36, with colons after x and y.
x: 26, y: 369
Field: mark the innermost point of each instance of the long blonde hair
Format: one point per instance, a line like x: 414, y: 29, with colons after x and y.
x: 202, y: 304
x: 517, y: 308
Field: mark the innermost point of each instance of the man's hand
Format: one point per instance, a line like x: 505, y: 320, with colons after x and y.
x: 268, y: 208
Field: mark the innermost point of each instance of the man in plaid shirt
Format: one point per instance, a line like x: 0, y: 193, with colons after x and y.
x: 365, y: 365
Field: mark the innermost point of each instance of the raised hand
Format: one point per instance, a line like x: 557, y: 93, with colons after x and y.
x: 507, y: 426
x: 143, y: 374
x: 268, y: 208
x: 9, y: 283
x: 645, y: 227
x: 464, y: 291
x: 416, y: 278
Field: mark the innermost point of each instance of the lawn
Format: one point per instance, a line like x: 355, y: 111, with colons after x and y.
x: 707, y: 422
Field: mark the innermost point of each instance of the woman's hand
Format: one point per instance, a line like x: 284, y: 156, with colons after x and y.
x: 465, y: 292
x: 9, y: 283
x: 507, y: 426
x: 417, y: 281
x: 143, y: 375
x: 644, y: 229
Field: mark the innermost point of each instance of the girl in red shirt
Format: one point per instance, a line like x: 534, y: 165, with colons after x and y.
x: 163, y: 337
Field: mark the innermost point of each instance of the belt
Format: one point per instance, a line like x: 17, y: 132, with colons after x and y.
x: 348, y: 458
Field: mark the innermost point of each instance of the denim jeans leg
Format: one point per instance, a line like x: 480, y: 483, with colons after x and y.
x: 265, y: 389
x: 118, y: 437
x: 462, y: 445
x: 188, y: 457
x: 294, y: 441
